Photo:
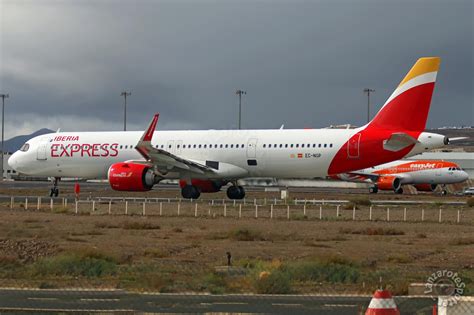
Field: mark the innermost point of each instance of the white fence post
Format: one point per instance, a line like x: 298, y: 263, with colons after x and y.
x: 77, y: 210
x: 161, y: 208
x: 51, y: 204
x: 288, y: 212
x: 439, y: 216
x: 144, y: 208
x: 271, y: 211
x: 110, y: 206
x: 38, y: 206
x: 240, y: 211
x: 370, y: 213
x: 196, y: 210
x: 337, y: 211
x: 422, y: 214
x: 404, y: 214
x: 65, y: 202
x: 256, y: 212
x: 126, y: 207
x: 353, y: 213
x: 93, y: 205
x: 320, y: 212
x: 304, y: 208
x: 11, y: 202
x: 179, y: 207
x: 26, y: 203
x: 459, y: 216
x: 388, y: 214
x: 225, y: 210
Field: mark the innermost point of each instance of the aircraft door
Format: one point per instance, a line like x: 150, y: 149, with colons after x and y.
x: 353, y: 147
x: 252, y: 148
x: 41, y: 154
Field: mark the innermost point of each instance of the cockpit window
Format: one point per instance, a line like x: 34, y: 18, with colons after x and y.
x: 25, y: 147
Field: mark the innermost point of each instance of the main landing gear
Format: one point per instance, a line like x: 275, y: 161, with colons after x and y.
x: 374, y: 189
x: 190, y: 192
x: 235, y: 192
x: 399, y: 191
x: 54, y: 192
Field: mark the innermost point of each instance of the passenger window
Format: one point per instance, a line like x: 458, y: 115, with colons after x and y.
x: 221, y: 146
x: 231, y: 146
x: 302, y: 145
x: 205, y: 146
x: 215, y: 146
x: 162, y: 146
x: 319, y: 145
x: 291, y: 145
x: 226, y: 146
x: 178, y: 146
x: 242, y: 146
x: 297, y: 145
x: 120, y: 147
x: 286, y: 145
x: 269, y: 145
x: 325, y: 145
x: 330, y: 145
x: 281, y: 145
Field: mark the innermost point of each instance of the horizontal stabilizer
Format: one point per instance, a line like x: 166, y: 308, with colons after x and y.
x: 398, y: 141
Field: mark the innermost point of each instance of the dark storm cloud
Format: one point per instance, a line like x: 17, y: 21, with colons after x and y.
x: 303, y: 64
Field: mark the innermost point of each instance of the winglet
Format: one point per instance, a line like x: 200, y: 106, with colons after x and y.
x: 151, y: 129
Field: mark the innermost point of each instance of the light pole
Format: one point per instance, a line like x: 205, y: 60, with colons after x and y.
x: 368, y: 91
x: 3, y: 96
x: 125, y: 94
x: 239, y: 93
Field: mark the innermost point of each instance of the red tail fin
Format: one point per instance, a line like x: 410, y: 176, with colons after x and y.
x: 408, y: 106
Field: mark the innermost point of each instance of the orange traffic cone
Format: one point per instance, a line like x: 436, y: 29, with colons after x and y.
x: 382, y: 303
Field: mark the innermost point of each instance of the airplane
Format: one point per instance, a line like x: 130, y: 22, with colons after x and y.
x: 425, y: 175
x: 206, y: 160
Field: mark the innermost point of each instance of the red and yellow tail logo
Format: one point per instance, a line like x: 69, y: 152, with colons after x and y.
x: 408, y: 106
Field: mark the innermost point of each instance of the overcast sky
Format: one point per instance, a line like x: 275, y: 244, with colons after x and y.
x: 302, y: 63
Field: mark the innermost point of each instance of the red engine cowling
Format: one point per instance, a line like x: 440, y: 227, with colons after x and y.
x: 204, y: 185
x: 131, y: 177
x: 426, y: 187
x: 388, y: 183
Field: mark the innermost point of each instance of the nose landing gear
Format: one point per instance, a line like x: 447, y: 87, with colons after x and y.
x: 54, y: 192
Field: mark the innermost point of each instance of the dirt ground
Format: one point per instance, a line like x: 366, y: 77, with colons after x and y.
x: 410, y: 251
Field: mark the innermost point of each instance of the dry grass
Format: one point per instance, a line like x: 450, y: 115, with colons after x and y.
x: 372, y: 231
x: 462, y: 241
x: 151, y: 253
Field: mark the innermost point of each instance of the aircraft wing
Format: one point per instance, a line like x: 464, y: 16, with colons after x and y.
x: 165, y: 160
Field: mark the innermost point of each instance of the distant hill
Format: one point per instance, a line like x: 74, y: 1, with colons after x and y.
x: 15, y: 143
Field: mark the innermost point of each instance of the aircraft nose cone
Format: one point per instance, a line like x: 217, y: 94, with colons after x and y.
x: 12, y: 161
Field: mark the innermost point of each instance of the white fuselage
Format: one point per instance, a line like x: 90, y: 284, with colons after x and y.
x: 277, y: 153
x: 420, y: 172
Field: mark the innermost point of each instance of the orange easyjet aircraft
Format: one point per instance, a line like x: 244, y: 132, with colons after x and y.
x: 425, y: 175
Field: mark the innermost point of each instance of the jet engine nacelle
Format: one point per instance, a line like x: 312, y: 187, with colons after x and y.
x: 388, y: 183
x: 426, y: 187
x: 204, y: 185
x: 131, y: 177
